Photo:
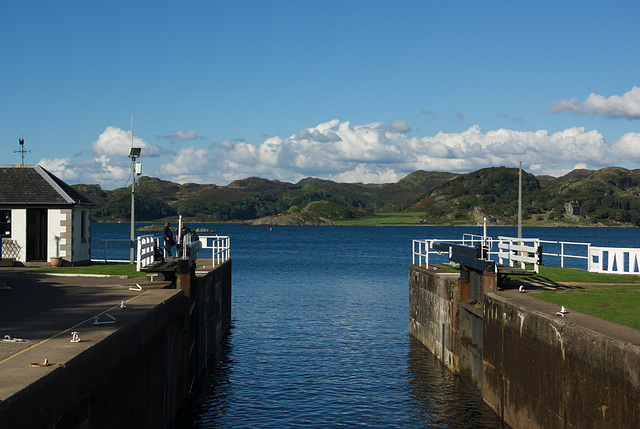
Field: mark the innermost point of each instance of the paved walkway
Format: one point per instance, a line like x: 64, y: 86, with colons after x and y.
x: 44, y: 310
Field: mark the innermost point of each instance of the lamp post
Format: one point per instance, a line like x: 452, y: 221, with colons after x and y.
x: 133, y: 153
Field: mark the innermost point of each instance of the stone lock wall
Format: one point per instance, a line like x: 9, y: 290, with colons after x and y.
x: 535, y: 369
x: 542, y: 371
x: 434, y: 313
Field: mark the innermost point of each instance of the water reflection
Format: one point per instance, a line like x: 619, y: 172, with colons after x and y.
x: 291, y: 394
x: 442, y: 398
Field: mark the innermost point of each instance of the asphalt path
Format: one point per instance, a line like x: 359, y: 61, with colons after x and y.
x: 34, y: 307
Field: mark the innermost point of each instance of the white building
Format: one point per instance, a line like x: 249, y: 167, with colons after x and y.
x: 42, y: 217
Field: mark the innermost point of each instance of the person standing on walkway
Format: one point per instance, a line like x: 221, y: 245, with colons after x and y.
x: 169, y: 242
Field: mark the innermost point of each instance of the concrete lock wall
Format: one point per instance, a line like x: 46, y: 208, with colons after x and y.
x: 542, y: 372
x: 434, y: 313
x: 139, y: 375
x: 537, y: 370
x: 208, y: 310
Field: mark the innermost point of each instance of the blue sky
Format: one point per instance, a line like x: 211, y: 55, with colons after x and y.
x: 347, y: 90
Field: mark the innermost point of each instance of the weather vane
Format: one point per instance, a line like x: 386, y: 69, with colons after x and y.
x: 22, y: 151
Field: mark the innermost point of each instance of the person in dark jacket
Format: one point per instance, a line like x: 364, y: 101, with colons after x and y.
x: 169, y: 242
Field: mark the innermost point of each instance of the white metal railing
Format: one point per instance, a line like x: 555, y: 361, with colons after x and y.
x: 219, y: 245
x: 220, y: 248
x: 118, y: 252
x: 514, y: 251
x: 555, y: 253
x: 145, y: 250
x: 614, y: 260
x: 562, y: 252
x: 423, y: 248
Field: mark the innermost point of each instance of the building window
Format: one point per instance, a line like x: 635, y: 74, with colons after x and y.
x: 5, y: 223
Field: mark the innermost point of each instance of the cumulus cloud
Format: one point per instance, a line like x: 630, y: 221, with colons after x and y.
x: 626, y: 106
x: 188, y: 165
x: 365, y: 173
x: 628, y: 147
x: 337, y: 150
x: 97, y: 170
x: 116, y: 142
x: 378, y: 153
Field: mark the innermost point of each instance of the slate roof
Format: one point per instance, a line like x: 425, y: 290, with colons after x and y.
x: 32, y: 184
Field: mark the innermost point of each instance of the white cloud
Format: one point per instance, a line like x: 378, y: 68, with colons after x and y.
x: 188, y: 163
x: 380, y: 153
x: 625, y: 106
x: 101, y: 170
x: 335, y: 150
x: 367, y: 174
x: 116, y: 142
x: 628, y: 147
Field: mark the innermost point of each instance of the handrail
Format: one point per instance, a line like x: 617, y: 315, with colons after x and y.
x: 597, y: 259
x: 106, y: 251
x: 614, y: 260
x: 219, y: 245
x: 145, y: 250
x: 515, y: 250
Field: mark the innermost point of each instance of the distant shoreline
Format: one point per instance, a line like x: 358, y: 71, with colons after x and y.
x: 555, y: 225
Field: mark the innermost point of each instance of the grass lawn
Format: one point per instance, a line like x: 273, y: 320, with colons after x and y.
x: 617, y: 303
x: 410, y: 218
x: 612, y: 297
x: 128, y: 270
x: 557, y: 274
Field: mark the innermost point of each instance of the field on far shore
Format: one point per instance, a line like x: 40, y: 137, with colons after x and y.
x: 409, y: 218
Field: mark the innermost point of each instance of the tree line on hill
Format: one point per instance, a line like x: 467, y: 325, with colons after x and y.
x: 606, y: 196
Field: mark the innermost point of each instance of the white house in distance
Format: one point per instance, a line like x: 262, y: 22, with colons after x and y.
x: 42, y: 217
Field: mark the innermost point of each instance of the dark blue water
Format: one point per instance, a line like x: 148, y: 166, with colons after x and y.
x: 319, y: 334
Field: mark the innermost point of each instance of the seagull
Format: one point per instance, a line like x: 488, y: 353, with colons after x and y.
x: 123, y: 305
x: 521, y: 289
x: 563, y: 310
x: 560, y: 314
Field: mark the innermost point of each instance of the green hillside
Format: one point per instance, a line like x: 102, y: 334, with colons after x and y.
x: 601, y: 197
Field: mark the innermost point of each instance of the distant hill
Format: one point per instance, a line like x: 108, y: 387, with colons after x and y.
x: 608, y: 196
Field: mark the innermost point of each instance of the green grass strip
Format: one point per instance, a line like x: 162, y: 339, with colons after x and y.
x: 602, y: 295
x: 557, y: 274
x: 611, y: 297
x: 617, y: 303
x: 110, y: 269
x: 403, y: 218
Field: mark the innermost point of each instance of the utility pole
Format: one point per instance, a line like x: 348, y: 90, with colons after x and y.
x: 520, y: 201
x: 133, y: 153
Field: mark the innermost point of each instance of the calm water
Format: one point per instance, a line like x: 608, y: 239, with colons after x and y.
x: 320, y: 337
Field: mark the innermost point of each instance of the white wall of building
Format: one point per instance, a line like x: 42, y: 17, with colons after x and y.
x: 19, y: 231
x: 61, y: 223
x: 81, y: 235
x: 57, y: 233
